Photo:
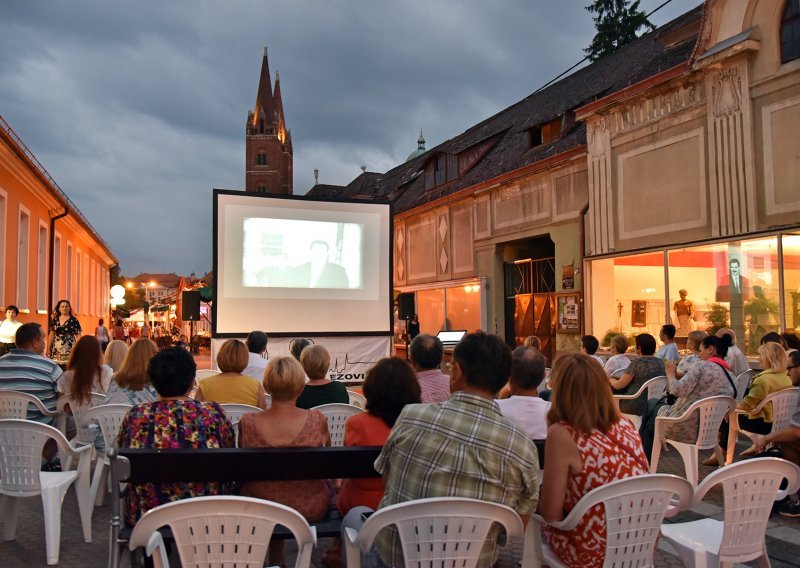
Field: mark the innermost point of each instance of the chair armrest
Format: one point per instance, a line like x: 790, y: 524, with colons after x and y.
x: 352, y: 550
x: 156, y: 544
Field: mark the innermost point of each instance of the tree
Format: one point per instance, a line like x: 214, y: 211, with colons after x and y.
x: 616, y: 22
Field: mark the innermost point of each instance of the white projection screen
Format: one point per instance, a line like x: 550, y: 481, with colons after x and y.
x: 296, y: 265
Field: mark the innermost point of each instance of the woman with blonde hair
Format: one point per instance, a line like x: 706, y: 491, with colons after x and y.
x: 115, y: 354
x: 319, y: 389
x: 588, y: 445
x: 231, y: 386
x: 131, y: 385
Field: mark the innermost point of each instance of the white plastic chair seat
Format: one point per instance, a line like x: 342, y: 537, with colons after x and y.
x: 634, y: 508
x: 655, y: 387
x: 15, y: 404
x: 749, y: 488
x: 337, y: 414
x: 221, y: 531
x: 357, y: 399
x: 783, y: 404
x: 712, y: 411
x: 235, y: 411
x: 440, y: 531
x: 109, y: 417
x: 21, y: 445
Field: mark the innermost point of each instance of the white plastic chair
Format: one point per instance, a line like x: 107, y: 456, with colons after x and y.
x: 21, y: 445
x: 656, y: 387
x: 712, y: 410
x: 784, y: 403
x: 221, y: 531
x: 634, y: 508
x: 440, y: 531
x: 235, y: 411
x: 83, y: 435
x: 109, y: 417
x: 202, y: 374
x: 337, y: 414
x: 357, y: 399
x: 15, y: 404
x: 742, y: 382
x: 749, y: 488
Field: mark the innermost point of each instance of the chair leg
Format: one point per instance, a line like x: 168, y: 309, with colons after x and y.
x: 12, y: 513
x: 51, y: 502
x: 733, y: 435
x: 98, y: 486
x: 688, y: 453
x: 656, y: 453
x: 763, y: 561
x: 85, y: 505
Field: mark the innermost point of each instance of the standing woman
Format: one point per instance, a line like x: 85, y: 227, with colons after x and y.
x: 65, y: 329
x: 101, y: 333
x: 8, y: 330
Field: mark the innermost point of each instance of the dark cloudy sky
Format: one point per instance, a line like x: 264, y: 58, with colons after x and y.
x: 137, y: 109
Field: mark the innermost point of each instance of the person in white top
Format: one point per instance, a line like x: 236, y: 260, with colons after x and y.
x: 425, y: 354
x: 524, y: 406
x: 8, y: 329
x: 618, y: 363
x: 735, y: 358
x: 257, y: 361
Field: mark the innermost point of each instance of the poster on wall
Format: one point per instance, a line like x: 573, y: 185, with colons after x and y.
x: 569, y: 312
x: 638, y: 313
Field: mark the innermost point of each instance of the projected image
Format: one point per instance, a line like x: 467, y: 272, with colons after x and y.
x: 293, y: 253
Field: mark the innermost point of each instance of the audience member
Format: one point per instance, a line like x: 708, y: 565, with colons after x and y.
x: 694, y: 341
x: 297, y: 345
x: 773, y: 337
x: 230, y: 385
x: 115, y: 354
x: 256, y: 356
x: 118, y: 331
x: 462, y: 447
x: 284, y: 425
x: 524, y: 406
x: 131, y: 385
x: 64, y: 331
x: 618, y: 362
x: 8, y: 329
x: 736, y: 359
x: 640, y: 370
x: 589, y: 346
x: 588, y: 446
x: 533, y: 341
x: 668, y: 351
x: 708, y: 377
x: 86, y: 373
x: 164, y: 423
x: 27, y: 370
x: 425, y: 354
x: 319, y: 389
x: 792, y: 341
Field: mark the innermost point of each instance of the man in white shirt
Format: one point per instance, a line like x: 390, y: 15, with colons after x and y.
x: 524, y: 406
x: 735, y: 358
x: 257, y: 361
x: 425, y: 354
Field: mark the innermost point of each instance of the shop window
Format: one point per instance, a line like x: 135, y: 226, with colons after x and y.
x: 463, y: 307
x: 790, y: 31
x: 791, y: 281
x: 430, y: 310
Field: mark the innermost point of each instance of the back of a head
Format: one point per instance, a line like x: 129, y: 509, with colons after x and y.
x: 316, y: 361
x: 132, y: 373
x: 84, y: 362
x: 533, y: 341
x: 284, y: 379
x: 232, y: 357
x: 590, y: 343
x: 620, y: 343
x: 388, y: 387
x: 484, y: 359
x: 727, y: 331
x: 791, y: 340
x: 696, y: 338
x: 646, y: 343
x: 581, y: 394
x: 773, y: 357
x: 794, y: 359
x: 172, y: 371
x: 296, y: 346
x: 115, y: 354
x: 26, y: 334
x: 426, y: 351
x: 668, y: 330
x: 256, y: 342
x: 720, y: 344
x: 527, y: 368
x: 773, y: 337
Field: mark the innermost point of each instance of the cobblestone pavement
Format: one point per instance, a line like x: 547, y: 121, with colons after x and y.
x: 27, y: 550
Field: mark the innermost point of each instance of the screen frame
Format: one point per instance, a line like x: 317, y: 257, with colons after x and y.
x: 215, y: 263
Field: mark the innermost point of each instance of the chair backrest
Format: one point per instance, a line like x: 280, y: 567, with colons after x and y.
x: 21, y: 444
x: 357, y: 399
x: 82, y: 425
x: 224, y: 531
x: 337, y: 414
x: 784, y: 403
x: 234, y: 411
x: 656, y: 387
x: 109, y: 417
x: 441, y: 531
x: 14, y: 404
x: 742, y: 382
x: 750, y: 488
x: 202, y: 374
x: 712, y: 411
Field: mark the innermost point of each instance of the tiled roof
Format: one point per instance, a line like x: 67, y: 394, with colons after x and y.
x: 508, y: 132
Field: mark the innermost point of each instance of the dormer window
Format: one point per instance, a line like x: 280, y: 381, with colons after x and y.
x: 790, y: 31
x: 545, y: 133
x: 261, y: 159
x: 441, y: 169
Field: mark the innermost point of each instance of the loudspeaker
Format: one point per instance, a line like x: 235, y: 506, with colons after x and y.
x: 190, y: 310
x: 405, y: 305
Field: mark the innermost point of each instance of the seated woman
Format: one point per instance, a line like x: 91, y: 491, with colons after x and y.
x: 588, y: 446
x: 388, y: 387
x: 231, y: 385
x: 618, y: 362
x: 711, y: 376
x: 173, y: 421
x: 131, y: 385
x: 772, y: 379
x: 284, y: 425
x: 319, y: 389
x: 640, y: 370
x: 85, y: 372
x: 694, y: 342
x: 115, y: 354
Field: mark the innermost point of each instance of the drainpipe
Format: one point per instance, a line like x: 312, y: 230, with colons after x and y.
x: 582, y: 242
x: 51, y: 264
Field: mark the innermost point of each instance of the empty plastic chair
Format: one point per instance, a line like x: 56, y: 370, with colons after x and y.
x: 655, y: 388
x: 337, y: 414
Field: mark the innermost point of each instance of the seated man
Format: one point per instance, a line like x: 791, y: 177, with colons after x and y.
x: 524, y: 406
x: 256, y: 347
x: 27, y: 370
x: 462, y: 447
x: 668, y: 351
x: 425, y: 355
x: 589, y: 346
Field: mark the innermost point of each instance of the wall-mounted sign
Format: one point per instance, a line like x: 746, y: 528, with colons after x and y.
x: 568, y: 277
x: 569, y: 312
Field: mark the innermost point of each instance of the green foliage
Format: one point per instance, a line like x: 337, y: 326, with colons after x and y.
x: 616, y: 22
x: 761, y: 305
x: 717, y: 318
x: 606, y: 341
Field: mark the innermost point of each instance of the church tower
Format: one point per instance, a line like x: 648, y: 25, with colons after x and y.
x: 268, y: 145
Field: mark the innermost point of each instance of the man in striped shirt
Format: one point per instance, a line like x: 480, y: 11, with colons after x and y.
x: 27, y: 370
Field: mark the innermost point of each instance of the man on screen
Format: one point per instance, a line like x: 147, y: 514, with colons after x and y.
x: 319, y: 272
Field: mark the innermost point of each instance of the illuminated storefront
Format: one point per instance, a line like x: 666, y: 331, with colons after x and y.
x: 454, y: 307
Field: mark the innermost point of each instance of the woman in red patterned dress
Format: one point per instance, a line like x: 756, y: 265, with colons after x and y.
x: 588, y: 445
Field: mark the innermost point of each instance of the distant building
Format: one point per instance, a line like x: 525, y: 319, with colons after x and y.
x: 155, y: 286
x: 48, y: 249
x: 268, y: 144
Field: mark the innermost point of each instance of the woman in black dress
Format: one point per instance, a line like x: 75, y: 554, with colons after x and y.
x: 65, y: 329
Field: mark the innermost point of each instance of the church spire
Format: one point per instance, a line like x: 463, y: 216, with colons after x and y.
x: 278, y: 106
x: 264, y: 100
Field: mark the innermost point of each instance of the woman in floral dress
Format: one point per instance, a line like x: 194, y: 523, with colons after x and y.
x: 65, y: 329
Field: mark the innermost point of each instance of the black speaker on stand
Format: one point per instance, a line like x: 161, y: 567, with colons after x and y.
x: 190, y: 310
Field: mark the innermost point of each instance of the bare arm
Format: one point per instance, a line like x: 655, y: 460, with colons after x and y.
x: 262, y: 398
x: 621, y: 382
x: 562, y: 458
